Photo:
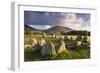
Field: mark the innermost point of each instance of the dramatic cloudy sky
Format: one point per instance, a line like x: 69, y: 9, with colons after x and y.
x: 45, y: 20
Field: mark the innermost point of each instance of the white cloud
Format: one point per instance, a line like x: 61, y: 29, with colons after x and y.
x: 76, y: 23
x: 40, y: 27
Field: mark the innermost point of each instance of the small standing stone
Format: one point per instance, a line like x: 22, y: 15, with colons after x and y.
x: 66, y: 38
x: 44, y: 34
x: 53, y: 36
x: 42, y: 42
x: 33, y: 41
x: 79, y: 38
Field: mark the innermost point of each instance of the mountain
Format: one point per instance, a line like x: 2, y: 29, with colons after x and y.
x: 28, y: 29
x: 56, y: 29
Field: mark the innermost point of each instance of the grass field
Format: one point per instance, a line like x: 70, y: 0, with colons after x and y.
x: 79, y: 52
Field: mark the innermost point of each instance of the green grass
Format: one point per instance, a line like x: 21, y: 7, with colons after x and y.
x: 80, y: 52
x: 31, y: 55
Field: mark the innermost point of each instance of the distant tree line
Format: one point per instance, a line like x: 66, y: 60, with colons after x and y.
x: 74, y: 32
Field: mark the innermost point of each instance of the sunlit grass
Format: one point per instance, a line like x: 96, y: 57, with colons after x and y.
x: 80, y: 52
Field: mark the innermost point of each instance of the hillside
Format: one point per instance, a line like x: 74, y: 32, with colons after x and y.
x: 28, y: 29
x: 56, y: 29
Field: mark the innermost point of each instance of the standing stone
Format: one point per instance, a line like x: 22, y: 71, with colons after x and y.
x: 42, y: 42
x: 72, y: 45
x: 32, y: 35
x: 62, y: 37
x: 27, y: 46
x: 44, y: 34
x: 48, y: 49
x: 66, y: 38
x: 53, y: 36
x: 79, y: 38
x: 61, y: 47
x: 84, y: 40
x: 33, y: 41
x: 71, y: 38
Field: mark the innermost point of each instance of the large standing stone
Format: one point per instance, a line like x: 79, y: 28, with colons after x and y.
x: 48, y: 49
x: 61, y: 47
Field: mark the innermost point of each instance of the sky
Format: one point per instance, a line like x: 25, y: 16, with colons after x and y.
x: 45, y: 20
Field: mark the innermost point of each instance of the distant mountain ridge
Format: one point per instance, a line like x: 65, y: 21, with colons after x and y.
x: 52, y: 29
x: 26, y: 27
x: 58, y: 29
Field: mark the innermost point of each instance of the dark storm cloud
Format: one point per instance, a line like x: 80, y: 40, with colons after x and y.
x: 43, y: 18
x: 85, y: 16
x: 50, y: 18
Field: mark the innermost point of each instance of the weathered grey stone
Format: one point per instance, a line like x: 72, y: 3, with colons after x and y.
x: 48, y: 49
x: 72, y: 44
